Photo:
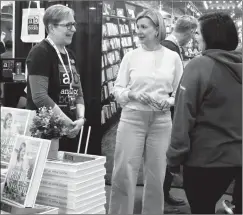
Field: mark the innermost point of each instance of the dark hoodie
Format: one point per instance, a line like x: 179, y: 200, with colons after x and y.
x: 207, y: 126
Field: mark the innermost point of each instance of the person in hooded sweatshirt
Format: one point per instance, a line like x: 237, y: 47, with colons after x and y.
x: 207, y: 130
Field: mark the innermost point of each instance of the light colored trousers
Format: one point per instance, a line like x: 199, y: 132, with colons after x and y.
x: 140, y: 133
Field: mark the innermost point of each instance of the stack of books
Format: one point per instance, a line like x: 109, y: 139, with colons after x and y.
x: 74, y: 183
x: 7, y: 208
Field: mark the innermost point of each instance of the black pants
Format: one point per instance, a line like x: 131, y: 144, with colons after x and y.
x: 167, y: 183
x: 205, y: 186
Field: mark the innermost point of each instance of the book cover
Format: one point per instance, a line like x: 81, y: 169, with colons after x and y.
x: 14, y: 122
x: 7, y: 143
x: 25, y: 170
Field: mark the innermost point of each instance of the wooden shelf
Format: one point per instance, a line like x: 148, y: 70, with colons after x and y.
x: 111, y: 36
x: 127, y: 47
x: 111, y: 50
x: 107, y: 66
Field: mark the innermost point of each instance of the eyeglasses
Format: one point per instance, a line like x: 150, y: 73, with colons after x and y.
x: 68, y: 25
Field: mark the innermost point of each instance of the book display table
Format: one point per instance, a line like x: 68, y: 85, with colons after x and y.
x: 74, y: 183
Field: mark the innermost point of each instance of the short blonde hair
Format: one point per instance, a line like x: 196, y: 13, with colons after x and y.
x: 56, y: 13
x: 185, y: 23
x: 156, y: 17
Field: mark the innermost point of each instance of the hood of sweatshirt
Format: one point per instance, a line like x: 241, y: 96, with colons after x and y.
x: 231, y: 59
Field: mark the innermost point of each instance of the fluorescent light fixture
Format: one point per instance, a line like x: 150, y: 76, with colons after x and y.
x: 92, y: 8
x: 217, y: 2
x: 205, y: 5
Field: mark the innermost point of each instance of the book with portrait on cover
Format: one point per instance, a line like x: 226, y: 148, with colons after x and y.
x: 25, y: 170
x: 14, y: 122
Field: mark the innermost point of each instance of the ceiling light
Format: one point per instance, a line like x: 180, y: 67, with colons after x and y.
x: 210, y: 2
x: 223, y: 8
x: 212, y: 8
x: 205, y: 5
x: 233, y: 7
x: 92, y: 8
x: 224, y: 2
x: 230, y: 1
x: 217, y: 2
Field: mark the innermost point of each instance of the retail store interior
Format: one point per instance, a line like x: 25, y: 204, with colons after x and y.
x: 106, y: 32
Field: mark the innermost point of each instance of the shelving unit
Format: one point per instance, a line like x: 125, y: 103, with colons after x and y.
x: 118, y: 38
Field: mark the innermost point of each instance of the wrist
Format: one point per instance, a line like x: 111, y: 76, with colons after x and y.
x: 131, y: 95
x: 171, y: 101
x: 82, y: 117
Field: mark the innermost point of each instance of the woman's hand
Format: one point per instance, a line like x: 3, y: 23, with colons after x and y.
x: 164, y: 105
x: 76, y: 128
x: 140, y: 97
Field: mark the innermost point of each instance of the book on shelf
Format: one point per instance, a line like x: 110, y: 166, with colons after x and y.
x: 103, y: 79
x: 126, y: 41
x: 130, y: 13
x: 110, y: 86
x: 106, y: 93
x: 25, y: 170
x: 120, y: 12
x: 14, y: 122
x: 124, y: 29
x: 110, y: 29
x: 103, y: 120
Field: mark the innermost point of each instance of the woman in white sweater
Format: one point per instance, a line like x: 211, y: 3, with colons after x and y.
x: 146, y: 77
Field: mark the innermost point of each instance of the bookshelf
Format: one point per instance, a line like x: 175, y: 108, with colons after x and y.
x: 118, y: 38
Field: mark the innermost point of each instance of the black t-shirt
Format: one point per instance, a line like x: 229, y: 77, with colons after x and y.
x: 2, y: 48
x: 43, y: 60
x: 172, y: 46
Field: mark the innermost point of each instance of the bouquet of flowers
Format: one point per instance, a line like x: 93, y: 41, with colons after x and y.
x: 47, y: 125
